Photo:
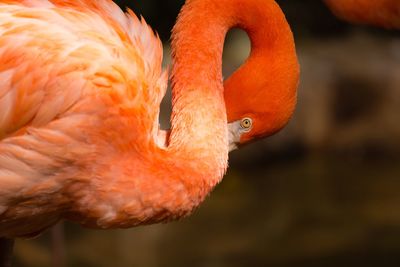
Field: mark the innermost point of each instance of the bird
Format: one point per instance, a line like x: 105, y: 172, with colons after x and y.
x: 383, y: 13
x: 80, y: 88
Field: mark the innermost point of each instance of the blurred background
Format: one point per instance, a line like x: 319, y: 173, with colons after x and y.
x: 323, y: 192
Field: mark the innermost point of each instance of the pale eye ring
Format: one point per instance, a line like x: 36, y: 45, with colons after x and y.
x: 246, y: 124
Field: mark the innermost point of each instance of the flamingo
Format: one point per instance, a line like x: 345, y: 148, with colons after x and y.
x: 385, y: 13
x: 81, y: 84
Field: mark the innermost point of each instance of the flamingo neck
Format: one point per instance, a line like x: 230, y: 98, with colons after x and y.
x: 271, y: 70
x: 197, y: 44
x: 196, y: 155
x: 198, y: 123
x: 197, y: 94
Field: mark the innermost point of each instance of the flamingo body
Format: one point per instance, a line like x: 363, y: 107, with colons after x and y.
x: 80, y: 87
x: 69, y: 67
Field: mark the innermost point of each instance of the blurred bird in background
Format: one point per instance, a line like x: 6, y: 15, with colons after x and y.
x: 384, y: 13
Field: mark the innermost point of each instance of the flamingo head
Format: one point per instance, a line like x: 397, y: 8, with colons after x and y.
x: 260, y: 106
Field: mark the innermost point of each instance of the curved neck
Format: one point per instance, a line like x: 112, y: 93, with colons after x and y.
x: 199, y: 121
x: 197, y: 49
x: 197, y: 150
x: 197, y: 44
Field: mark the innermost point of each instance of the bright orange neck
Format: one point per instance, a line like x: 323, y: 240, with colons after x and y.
x: 197, y: 151
x: 265, y: 84
x: 198, y: 114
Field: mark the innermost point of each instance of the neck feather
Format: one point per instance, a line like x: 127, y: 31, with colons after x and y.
x: 199, y: 121
x: 197, y: 150
x: 199, y: 115
x: 198, y: 105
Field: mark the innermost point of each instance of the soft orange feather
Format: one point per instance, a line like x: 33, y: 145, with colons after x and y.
x: 67, y: 71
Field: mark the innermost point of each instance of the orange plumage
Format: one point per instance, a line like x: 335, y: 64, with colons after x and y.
x: 385, y: 13
x: 80, y: 88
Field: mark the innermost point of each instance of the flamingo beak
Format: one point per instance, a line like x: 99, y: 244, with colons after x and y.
x: 234, y: 133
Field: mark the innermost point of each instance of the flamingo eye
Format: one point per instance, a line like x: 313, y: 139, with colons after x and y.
x: 246, y: 124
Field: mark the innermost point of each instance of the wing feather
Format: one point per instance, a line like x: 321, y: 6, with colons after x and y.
x: 54, y: 53
x: 57, y: 59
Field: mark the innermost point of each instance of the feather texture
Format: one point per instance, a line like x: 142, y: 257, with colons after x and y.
x: 68, y: 65
x: 79, y: 53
